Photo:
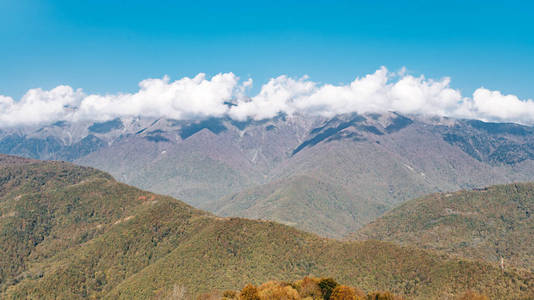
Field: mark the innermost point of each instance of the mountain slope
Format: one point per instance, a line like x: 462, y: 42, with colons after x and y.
x: 78, y: 233
x: 369, y: 166
x: 251, y: 251
x: 373, y: 162
x: 303, y: 201
x: 481, y: 224
x: 47, y: 208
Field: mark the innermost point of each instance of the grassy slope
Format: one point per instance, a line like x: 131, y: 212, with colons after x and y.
x: 101, y: 238
x: 486, y: 224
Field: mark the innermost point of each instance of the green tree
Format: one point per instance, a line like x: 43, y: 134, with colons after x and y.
x: 327, y: 285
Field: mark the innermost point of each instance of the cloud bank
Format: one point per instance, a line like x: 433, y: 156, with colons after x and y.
x: 226, y: 95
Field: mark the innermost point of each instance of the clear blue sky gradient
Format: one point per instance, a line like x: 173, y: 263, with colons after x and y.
x: 109, y: 46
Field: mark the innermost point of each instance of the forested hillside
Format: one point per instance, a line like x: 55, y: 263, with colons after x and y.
x: 488, y: 224
x: 74, y: 232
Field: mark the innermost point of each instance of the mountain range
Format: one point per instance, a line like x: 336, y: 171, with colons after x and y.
x: 68, y: 231
x: 330, y: 176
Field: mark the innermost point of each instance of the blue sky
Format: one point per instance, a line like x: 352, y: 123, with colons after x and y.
x: 109, y: 46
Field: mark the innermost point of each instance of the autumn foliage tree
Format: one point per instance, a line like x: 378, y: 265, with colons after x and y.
x: 312, y: 288
x: 249, y: 292
x: 274, y: 290
x: 343, y: 292
x: 308, y: 287
x: 470, y: 295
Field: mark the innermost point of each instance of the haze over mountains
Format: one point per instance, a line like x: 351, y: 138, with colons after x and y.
x: 325, y: 175
x: 73, y: 232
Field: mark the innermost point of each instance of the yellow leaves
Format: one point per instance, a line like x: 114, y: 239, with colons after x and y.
x: 343, y: 292
x: 308, y: 288
x: 249, y: 292
x: 470, y: 295
x: 274, y: 290
x: 311, y: 288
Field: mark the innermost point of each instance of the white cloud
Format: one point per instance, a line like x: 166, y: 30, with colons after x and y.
x: 494, y: 106
x: 274, y: 97
x: 201, y: 97
x: 375, y: 92
x: 185, y: 98
x: 38, y: 106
